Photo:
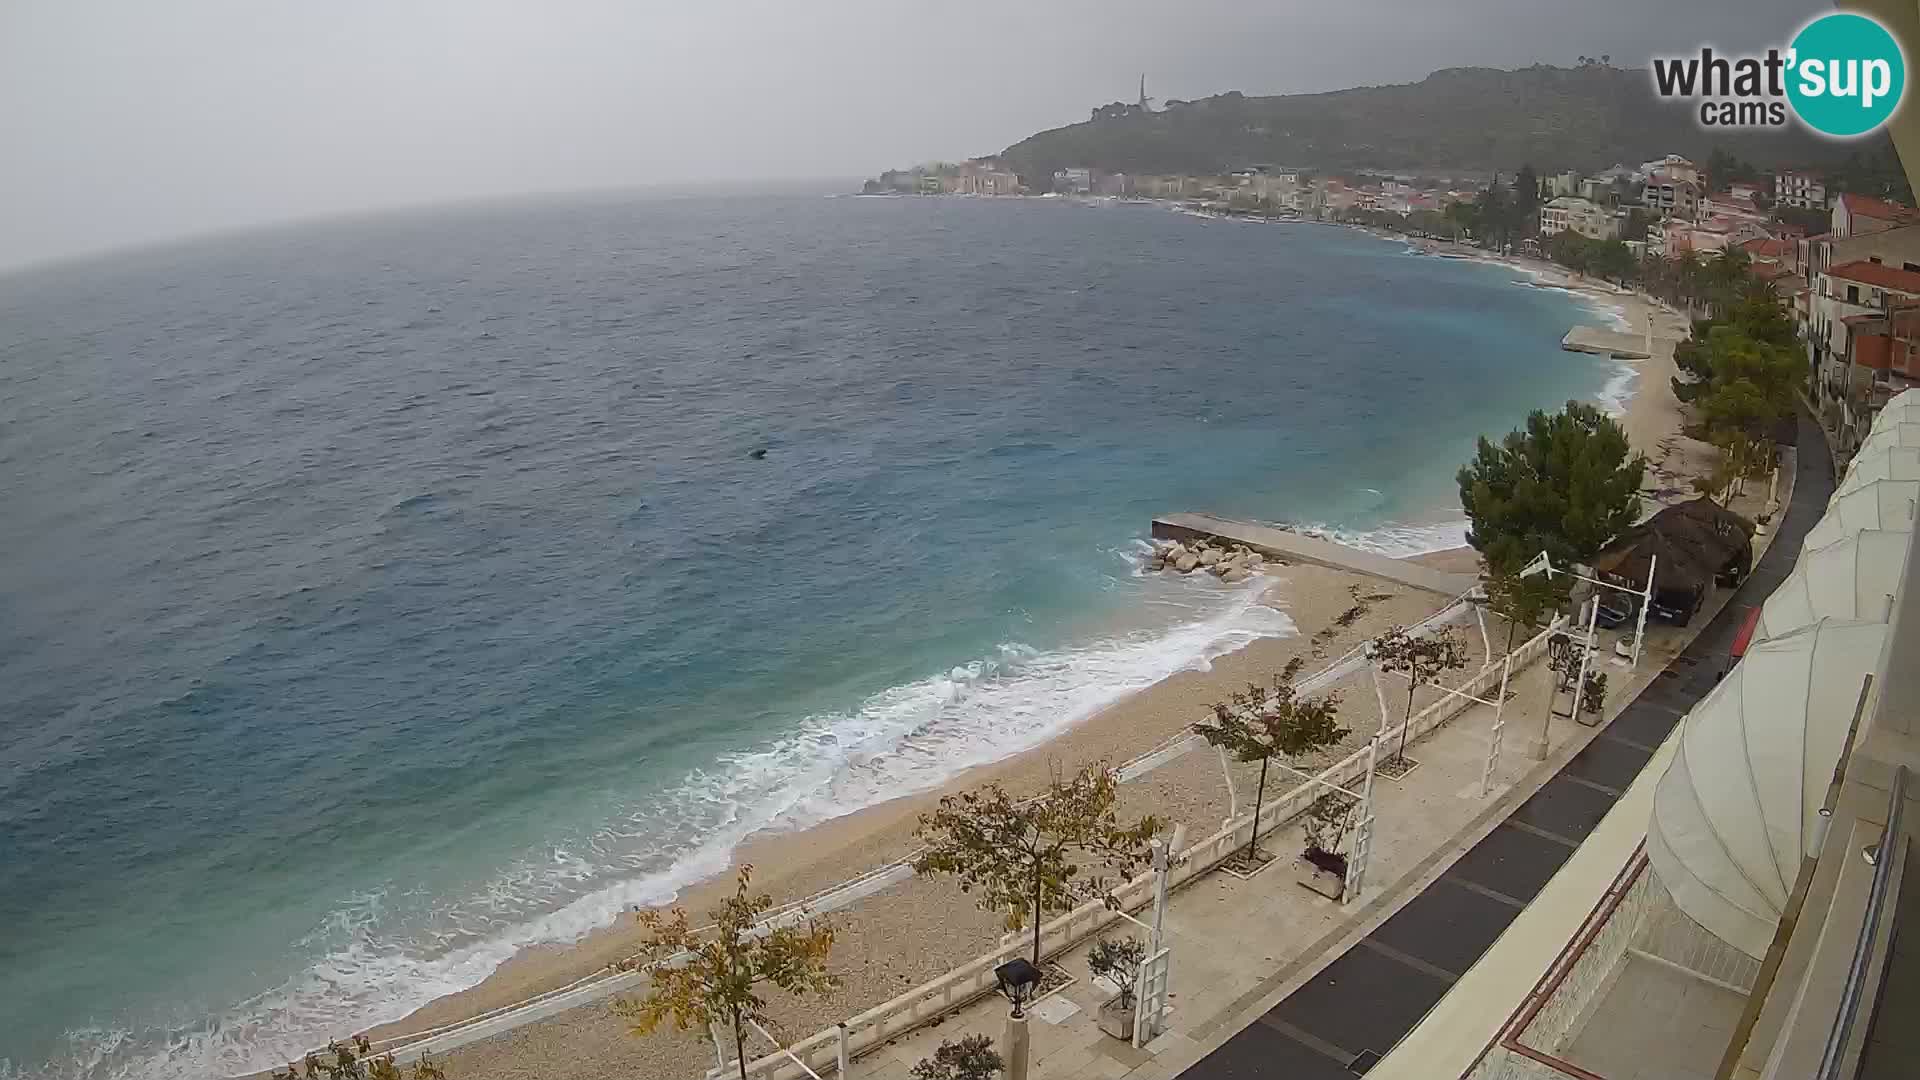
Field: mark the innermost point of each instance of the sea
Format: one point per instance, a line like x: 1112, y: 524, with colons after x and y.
x: 382, y: 596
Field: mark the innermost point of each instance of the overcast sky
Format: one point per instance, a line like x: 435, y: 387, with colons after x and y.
x: 127, y: 121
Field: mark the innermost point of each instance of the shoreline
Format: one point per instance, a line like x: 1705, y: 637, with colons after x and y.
x: 793, y: 863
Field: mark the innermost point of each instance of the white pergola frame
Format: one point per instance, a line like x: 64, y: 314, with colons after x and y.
x: 1362, y: 830
x: 1499, y: 704
x: 1542, y: 564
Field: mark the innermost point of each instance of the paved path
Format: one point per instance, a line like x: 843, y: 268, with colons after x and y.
x: 1340, y: 1021
x: 1296, y: 547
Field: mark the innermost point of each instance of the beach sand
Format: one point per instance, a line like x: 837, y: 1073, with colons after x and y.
x: 920, y: 928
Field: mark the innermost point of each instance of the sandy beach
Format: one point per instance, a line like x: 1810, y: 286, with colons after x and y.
x: 920, y: 928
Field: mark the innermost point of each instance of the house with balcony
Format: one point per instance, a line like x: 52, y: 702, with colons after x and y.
x: 1800, y: 189
x: 1572, y: 213
x: 1671, y: 196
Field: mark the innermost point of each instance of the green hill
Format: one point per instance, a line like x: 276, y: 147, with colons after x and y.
x: 1455, y: 121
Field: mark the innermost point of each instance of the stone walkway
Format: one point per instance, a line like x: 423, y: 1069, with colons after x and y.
x: 1271, y: 980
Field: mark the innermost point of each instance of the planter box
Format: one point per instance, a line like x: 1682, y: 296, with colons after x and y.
x: 1315, y: 879
x: 1117, y: 1021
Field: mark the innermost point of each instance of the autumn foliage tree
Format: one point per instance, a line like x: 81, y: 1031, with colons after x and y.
x: 1256, y: 723
x: 1420, y: 657
x: 714, y: 976
x: 1022, y: 858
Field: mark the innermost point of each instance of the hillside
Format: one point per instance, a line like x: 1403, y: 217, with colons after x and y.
x: 1455, y: 121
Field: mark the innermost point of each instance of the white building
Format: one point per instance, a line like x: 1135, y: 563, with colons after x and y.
x: 1580, y: 215
x: 1801, y: 189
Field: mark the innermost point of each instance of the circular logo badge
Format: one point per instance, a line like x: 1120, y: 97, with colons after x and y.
x: 1847, y: 76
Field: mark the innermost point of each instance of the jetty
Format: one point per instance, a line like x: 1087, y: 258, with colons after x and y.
x: 1289, y: 546
x: 1603, y: 342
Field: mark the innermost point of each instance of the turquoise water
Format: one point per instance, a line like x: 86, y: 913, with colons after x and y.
x: 386, y: 595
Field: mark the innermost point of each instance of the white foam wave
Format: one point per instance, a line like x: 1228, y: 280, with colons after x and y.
x: 1395, y: 539
x: 1619, y: 390
x: 903, y: 740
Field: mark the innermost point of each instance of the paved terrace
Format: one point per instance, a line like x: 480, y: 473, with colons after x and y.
x: 1271, y: 981
x: 1357, y: 1007
x: 1297, y: 547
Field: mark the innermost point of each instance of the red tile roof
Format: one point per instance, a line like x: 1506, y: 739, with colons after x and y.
x: 1879, y: 209
x: 1873, y: 273
x: 1765, y: 247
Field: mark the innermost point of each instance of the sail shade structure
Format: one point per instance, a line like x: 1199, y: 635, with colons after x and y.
x: 1889, y: 463
x: 1853, y: 578
x: 1882, y: 504
x: 1885, y: 434
x: 1740, y: 804
x: 1901, y: 408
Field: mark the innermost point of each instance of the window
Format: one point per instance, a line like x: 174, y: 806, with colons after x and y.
x: 1873, y: 258
x: 1853, y: 294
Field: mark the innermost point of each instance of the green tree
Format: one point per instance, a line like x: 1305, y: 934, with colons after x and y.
x: 972, y: 1058
x: 1521, y: 601
x: 1566, y: 484
x: 714, y: 976
x: 1259, y: 722
x: 1118, y: 963
x: 1419, y: 657
x: 1021, y: 854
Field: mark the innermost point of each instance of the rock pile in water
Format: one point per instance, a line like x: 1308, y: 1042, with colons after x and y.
x: 1231, y: 563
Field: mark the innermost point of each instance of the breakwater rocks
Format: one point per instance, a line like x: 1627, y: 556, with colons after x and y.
x: 1231, y: 563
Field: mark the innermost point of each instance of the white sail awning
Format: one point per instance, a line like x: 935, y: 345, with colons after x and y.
x: 1739, y: 806
x: 1888, y: 463
x: 1882, y: 504
x: 1901, y: 408
x: 1887, y: 433
x: 1853, y: 578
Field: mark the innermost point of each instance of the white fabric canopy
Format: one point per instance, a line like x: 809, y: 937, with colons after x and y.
x: 1852, y: 578
x: 1882, y: 504
x: 1739, y: 806
x: 1889, y: 463
x: 1885, y: 434
x: 1903, y: 407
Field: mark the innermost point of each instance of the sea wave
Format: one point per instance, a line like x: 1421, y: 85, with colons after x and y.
x: 906, y: 739
x: 1397, y: 540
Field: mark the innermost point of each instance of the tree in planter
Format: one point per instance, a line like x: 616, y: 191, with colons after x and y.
x: 1419, y: 657
x: 1566, y: 484
x: 1020, y: 855
x: 1326, y: 824
x: 720, y: 978
x: 972, y: 1058
x: 1259, y: 722
x: 354, y: 1060
x: 1118, y: 963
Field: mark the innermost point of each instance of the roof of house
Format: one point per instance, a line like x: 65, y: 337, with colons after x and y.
x: 1765, y: 247
x: 1879, y: 209
x: 1877, y: 274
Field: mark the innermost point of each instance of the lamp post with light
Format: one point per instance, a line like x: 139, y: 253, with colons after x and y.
x: 1018, y: 981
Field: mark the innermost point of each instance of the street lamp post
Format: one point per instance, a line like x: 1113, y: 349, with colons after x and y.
x: 1018, y: 980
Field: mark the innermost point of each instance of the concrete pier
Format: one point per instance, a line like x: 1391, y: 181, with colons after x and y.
x: 1602, y: 342
x: 1294, y: 547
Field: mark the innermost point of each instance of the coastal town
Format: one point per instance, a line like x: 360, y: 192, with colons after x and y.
x: 1845, y: 264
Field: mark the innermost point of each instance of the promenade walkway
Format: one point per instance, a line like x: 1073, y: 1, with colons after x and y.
x: 1352, y: 1012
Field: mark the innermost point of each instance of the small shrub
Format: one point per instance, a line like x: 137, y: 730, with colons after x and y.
x: 972, y: 1058
x: 1118, y: 964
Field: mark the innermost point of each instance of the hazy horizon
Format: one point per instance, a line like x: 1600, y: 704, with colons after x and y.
x: 132, y: 124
